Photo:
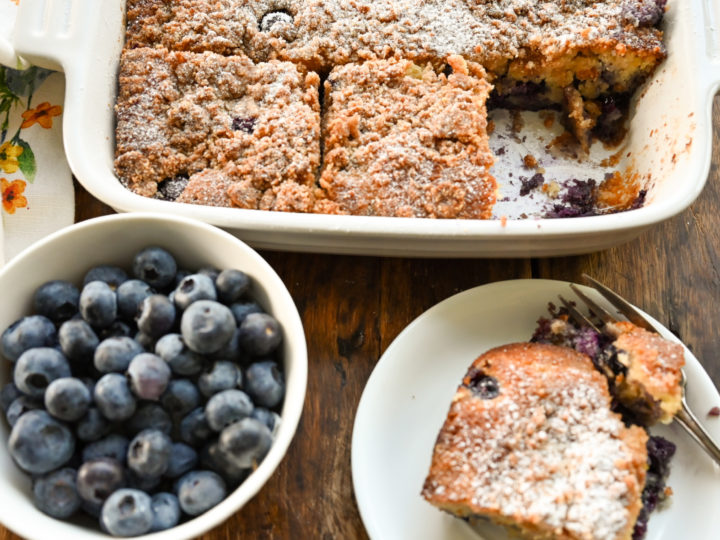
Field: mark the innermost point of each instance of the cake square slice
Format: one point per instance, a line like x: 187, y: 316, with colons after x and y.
x: 241, y: 134
x: 531, y: 443
x: 401, y: 140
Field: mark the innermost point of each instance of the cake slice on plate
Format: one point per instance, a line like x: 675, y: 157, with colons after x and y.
x: 531, y: 443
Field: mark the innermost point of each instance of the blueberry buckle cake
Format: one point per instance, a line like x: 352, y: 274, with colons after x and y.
x: 531, y: 443
x: 220, y: 101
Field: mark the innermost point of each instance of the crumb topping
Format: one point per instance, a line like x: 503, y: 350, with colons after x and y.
x: 401, y: 140
x: 181, y: 113
x: 324, y: 33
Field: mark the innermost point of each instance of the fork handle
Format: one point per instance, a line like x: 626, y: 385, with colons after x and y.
x: 690, y: 423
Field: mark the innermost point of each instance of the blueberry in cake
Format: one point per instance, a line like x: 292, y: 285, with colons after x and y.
x: 401, y: 140
x: 232, y: 131
x: 531, y: 443
x: 580, y: 56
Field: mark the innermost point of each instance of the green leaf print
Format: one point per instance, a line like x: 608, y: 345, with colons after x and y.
x: 26, y: 161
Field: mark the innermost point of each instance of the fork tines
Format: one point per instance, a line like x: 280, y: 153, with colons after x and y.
x: 629, y: 311
x: 577, y: 315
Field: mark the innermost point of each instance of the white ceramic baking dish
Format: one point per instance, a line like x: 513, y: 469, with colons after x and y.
x: 669, y: 142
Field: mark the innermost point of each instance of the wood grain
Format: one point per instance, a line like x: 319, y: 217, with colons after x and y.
x: 353, y: 307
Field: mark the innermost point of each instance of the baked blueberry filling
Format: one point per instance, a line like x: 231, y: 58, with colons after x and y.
x: 275, y: 18
x: 580, y: 200
x: 246, y: 125
x: 482, y: 385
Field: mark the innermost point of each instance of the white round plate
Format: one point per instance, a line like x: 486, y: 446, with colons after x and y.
x: 408, y: 395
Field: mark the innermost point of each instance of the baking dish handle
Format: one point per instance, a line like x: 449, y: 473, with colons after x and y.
x: 711, y: 21
x: 50, y: 33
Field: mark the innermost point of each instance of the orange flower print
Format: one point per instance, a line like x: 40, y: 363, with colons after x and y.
x: 9, y: 154
x: 42, y: 114
x: 16, y: 2
x: 12, y: 195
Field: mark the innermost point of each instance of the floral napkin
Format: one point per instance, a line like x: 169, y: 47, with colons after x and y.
x: 35, y: 180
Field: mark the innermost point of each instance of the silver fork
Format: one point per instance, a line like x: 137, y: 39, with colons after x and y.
x: 685, y: 416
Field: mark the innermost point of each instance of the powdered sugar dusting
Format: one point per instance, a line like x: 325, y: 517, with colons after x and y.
x: 324, y: 33
x: 547, y: 452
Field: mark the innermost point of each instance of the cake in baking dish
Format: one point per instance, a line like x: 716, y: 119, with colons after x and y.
x: 583, y: 57
x: 401, y: 140
x: 644, y: 370
x: 531, y: 443
x: 219, y: 130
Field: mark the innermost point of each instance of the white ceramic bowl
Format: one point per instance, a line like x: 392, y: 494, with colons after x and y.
x: 68, y: 254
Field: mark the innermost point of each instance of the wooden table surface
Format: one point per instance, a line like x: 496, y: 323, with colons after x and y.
x: 353, y: 308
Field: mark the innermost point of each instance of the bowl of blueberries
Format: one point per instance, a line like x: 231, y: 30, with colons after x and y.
x: 153, y: 372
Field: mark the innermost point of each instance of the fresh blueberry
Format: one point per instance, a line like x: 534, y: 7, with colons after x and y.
x: 129, y: 296
x: 210, y: 272
x: 57, y: 300
x: 260, y: 334
x: 245, y: 443
x: 232, y: 351
x: 227, y: 407
x: 8, y: 394
x: 182, y: 273
x: 155, y: 266
x: 27, y: 333
x: 222, y: 376
x: 115, y: 354
x: 67, y: 399
x: 199, y: 491
x: 211, y: 457
x: 166, y: 511
x: 113, y: 446
x: 194, y: 429
x: 182, y: 361
x: 56, y: 494
x: 20, y: 406
x: 113, y: 397
x: 183, y: 458
x: 39, y: 444
x: 112, y: 275
x: 180, y: 397
x: 206, y: 326
x: 193, y: 288
x: 240, y: 310
x: 148, y: 484
x: 149, y: 453
x: 127, y: 512
x: 98, y: 304
x: 37, y: 368
x: 146, y: 342
x: 149, y: 376
x: 92, y: 510
x: 269, y: 418
x: 157, y: 315
x: 92, y: 426
x: 98, y: 478
x: 265, y: 384
x: 149, y: 415
x: 231, y: 285
x: 117, y: 329
x: 78, y: 340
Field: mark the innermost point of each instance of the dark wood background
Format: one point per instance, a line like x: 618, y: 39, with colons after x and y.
x: 353, y: 307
